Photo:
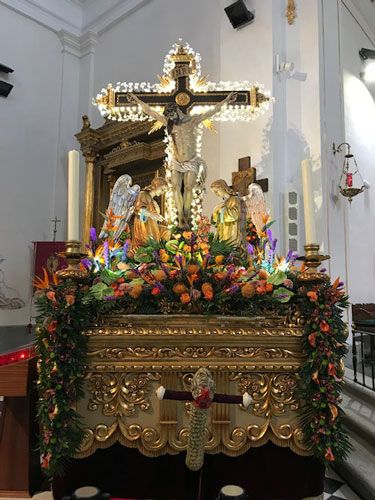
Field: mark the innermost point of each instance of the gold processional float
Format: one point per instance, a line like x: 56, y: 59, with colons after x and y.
x: 131, y: 355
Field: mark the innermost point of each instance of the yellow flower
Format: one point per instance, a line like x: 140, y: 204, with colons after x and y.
x: 219, y: 259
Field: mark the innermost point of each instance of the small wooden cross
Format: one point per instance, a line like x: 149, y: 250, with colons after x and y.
x: 246, y: 175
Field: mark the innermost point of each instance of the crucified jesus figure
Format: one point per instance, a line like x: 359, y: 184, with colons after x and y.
x: 187, y: 167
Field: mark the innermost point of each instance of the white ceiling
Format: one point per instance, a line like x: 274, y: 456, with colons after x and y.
x: 366, y: 9
x: 75, y: 16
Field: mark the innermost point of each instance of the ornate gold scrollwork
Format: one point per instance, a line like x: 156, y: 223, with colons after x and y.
x: 128, y: 355
x: 119, y: 394
x: 194, y: 352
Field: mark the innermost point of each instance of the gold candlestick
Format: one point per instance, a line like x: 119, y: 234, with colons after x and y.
x: 73, y: 255
x: 312, y: 260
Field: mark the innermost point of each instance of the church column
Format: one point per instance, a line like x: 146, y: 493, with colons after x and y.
x: 88, y: 43
x: 68, y: 123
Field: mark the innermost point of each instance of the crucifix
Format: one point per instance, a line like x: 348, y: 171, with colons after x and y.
x: 55, y: 222
x: 245, y: 176
x: 183, y: 101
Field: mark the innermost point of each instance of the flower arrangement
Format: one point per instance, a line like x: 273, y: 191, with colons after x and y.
x: 197, y: 274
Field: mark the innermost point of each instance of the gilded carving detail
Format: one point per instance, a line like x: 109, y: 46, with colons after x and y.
x: 119, y: 394
x: 129, y: 355
x: 194, y: 352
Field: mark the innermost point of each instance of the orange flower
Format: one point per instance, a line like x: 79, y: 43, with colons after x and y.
x: 179, y: 288
x: 70, y: 299
x: 261, y: 287
x: 164, y: 257
x: 263, y: 275
x: 219, y: 259
x: 51, y: 296
x: 155, y: 291
x: 186, y: 248
x: 269, y: 287
x: 192, y: 269
x: 248, y: 290
x: 207, y: 290
x: 312, y: 339
x: 334, y: 411
x: 42, y: 283
x: 52, y: 326
x: 336, y: 283
x: 313, y: 296
x: 315, y: 376
x: 220, y: 276
x: 135, y: 291
x: 192, y: 278
x: 185, y: 298
x: 186, y: 235
x: 159, y: 274
x: 324, y: 327
x: 329, y: 455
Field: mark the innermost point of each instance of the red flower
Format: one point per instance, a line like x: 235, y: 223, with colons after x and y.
x: 312, y: 339
x: 203, y: 401
x: 324, y: 327
x: 45, y: 460
x: 331, y: 370
x: 313, y: 296
x: 52, y: 326
x: 155, y: 291
x: 329, y: 455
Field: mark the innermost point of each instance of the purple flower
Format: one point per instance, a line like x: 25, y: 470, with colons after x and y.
x: 124, y: 251
x: 250, y: 249
x: 93, y: 236
x: 86, y: 263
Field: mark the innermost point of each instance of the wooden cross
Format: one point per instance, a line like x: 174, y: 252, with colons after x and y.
x: 183, y: 95
x: 246, y: 175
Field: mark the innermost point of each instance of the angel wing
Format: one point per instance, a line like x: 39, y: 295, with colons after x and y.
x: 121, y: 204
x: 255, y: 205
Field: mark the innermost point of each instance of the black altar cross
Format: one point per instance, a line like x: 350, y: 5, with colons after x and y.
x: 183, y: 95
x: 246, y: 175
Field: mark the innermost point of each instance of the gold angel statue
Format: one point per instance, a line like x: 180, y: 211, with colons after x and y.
x: 227, y: 215
x: 147, y: 219
x: 230, y: 216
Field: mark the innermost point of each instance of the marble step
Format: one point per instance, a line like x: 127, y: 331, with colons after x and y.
x: 358, y: 471
x: 359, y: 406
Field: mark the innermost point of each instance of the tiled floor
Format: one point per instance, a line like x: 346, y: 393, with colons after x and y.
x: 335, y: 488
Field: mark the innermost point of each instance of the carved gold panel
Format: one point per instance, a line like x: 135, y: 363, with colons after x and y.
x: 129, y: 356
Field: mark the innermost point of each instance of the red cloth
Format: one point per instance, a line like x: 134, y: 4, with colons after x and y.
x: 46, y: 255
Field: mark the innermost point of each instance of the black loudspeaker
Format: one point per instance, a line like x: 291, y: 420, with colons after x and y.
x: 5, y: 88
x: 238, y: 14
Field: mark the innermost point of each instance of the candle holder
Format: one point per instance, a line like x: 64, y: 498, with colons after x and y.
x: 312, y: 260
x: 73, y: 255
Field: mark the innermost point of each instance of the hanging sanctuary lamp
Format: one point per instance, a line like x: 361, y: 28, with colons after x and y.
x: 347, y: 185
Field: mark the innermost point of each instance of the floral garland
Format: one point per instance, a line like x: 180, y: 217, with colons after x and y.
x: 192, y: 273
x: 61, y: 350
x: 321, y: 376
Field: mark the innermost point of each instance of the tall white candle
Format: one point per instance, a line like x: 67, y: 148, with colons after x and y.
x: 308, y: 202
x: 73, y: 195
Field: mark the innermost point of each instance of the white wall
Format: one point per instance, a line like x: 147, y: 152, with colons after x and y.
x: 34, y: 135
x: 359, y: 119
